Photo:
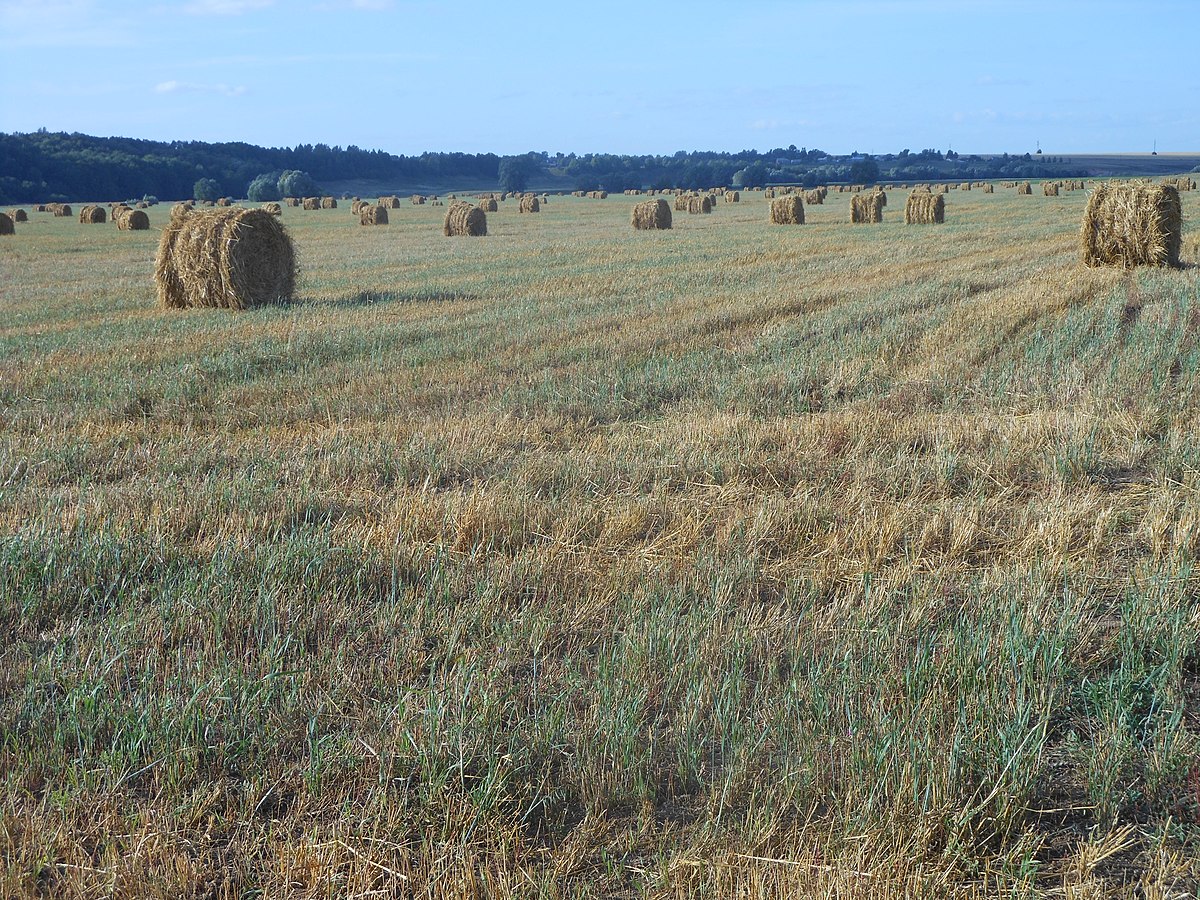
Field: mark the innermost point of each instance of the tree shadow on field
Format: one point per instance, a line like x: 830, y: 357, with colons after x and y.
x: 373, y: 298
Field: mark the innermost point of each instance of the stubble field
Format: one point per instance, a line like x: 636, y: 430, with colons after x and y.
x: 735, y: 560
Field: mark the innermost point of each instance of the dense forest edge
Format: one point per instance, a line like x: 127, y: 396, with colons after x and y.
x: 49, y: 166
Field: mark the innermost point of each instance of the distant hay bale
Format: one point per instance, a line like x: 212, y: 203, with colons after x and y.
x: 1133, y: 224
x: 464, y: 220
x: 225, y: 201
x: 733, y: 197
x: 19, y: 215
x: 181, y: 209
x: 867, y: 209
x: 6, y: 224
x: 1024, y: 188
x: 529, y: 204
x: 988, y: 189
x: 769, y: 193
x: 356, y: 206
x: 699, y: 205
x: 92, y: 215
x: 133, y: 220
x: 390, y: 202
x: 372, y: 215
x: 61, y: 211
x: 681, y: 202
x: 924, y: 208
x: 328, y: 203
x: 312, y: 203
x: 291, y: 201
x: 41, y: 207
x: 118, y: 210
x: 417, y: 200
x: 787, y: 210
x: 225, y: 259
x: 273, y: 208
x: 1049, y: 189
x: 814, y: 198
x: 488, y: 205
x: 965, y: 186
x: 652, y: 215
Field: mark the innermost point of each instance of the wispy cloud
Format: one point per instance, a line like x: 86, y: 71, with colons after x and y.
x: 224, y: 7
x: 187, y: 87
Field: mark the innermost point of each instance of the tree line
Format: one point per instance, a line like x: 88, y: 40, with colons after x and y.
x: 55, y: 166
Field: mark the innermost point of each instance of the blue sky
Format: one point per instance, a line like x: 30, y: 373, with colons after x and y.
x: 622, y: 77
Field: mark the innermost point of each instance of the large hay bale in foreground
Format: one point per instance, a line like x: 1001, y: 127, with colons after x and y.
x: 6, y: 224
x: 19, y: 215
x: 925, y: 208
x: 225, y: 259
x: 1135, y: 224
x: 92, y: 215
x: 867, y: 209
x: 489, y: 204
x: 652, y: 215
x: 787, y: 210
x: 464, y: 220
x: 133, y: 220
x: 372, y: 215
x: 529, y: 204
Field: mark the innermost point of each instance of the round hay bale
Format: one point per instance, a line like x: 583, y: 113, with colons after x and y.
x: 181, y: 209
x: 134, y: 220
x: 19, y: 215
x: 1133, y: 224
x: 273, y: 208
x: 652, y: 215
x: 697, y: 205
x: 6, y: 224
x: 372, y: 215
x: 925, y: 208
x: 41, y: 207
x: 328, y: 203
x: 312, y: 203
x: 225, y: 259
x: 529, y: 204
x: 1024, y: 188
x: 92, y: 215
x: 787, y: 210
x: 291, y: 201
x: 867, y: 209
x: 464, y: 220
x: 1049, y: 189
x: 488, y: 204
x: 225, y: 201
x: 61, y: 211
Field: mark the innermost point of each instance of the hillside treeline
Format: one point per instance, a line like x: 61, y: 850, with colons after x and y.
x: 47, y: 166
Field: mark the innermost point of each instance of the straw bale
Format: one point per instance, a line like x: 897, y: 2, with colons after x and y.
x: 41, y: 207
x: 699, y: 205
x: 226, y: 259
x: 867, y: 208
x: 1024, y: 188
x: 1049, y: 189
x: 181, y: 209
x: 273, y: 208
x: 312, y: 202
x: 464, y: 220
x: 488, y: 205
x: 651, y: 215
x: 372, y: 215
x: 61, y: 210
x: 529, y: 204
x: 92, y: 215
x: 1132, y: 224
x: 925, y: 208
x: 133, y: 220
x: 814, y: 198
x: 417, y: 200
x: 6, y: 224
x: 732, y: 197
x: 328, y: 203
x: 19, y: 215
x: 988, y: 189
x: 787, y: 210
x: 291, y: 201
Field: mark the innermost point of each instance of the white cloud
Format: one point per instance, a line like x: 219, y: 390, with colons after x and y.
x: 225, y: 7
x: 187, y: 87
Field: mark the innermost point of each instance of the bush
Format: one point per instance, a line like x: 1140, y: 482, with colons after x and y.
x: 207, y: 189
x: 264, y: 188
x: 294, y: 183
